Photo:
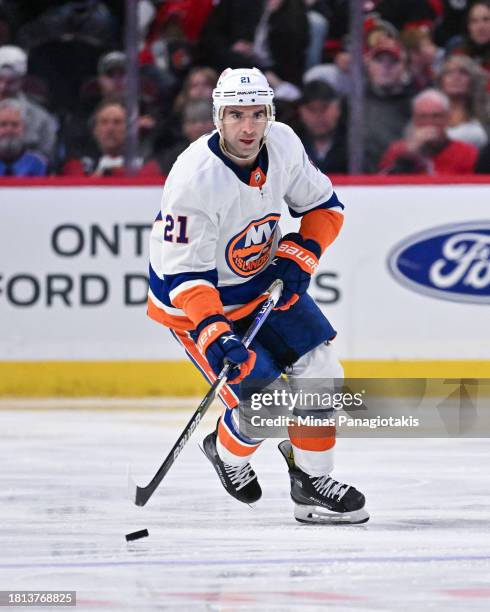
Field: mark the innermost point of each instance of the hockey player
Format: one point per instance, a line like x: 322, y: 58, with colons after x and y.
x: 216, y: 247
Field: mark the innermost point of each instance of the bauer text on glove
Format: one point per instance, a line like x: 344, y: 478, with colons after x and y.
x: 296, y: 259
x: 218, y: 343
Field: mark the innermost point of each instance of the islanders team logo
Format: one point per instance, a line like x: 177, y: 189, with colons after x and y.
x: 451, y: 262
x: 249, y: 251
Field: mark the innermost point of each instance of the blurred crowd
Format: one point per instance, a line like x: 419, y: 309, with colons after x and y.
x: 63, y: 81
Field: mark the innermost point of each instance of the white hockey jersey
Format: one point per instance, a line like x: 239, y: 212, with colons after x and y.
x: 218, y: 224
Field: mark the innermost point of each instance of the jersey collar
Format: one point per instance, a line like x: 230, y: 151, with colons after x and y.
x: 255, y: 176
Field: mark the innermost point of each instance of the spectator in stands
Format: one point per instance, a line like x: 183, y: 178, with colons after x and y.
x: 476, y: 41
x: 387, y: 101
x: 410, y: 12
x: 449, y: 24
x: 424, y: 58
x: 316, y: 13
x: 40, y: 127
x: 378, y: 31
x: 335, y: 73
x: 90, y: 21
x: 66, y: 38
x: 171, y: 35
x: 464, y: 83
x: 427, y: 149
x: 111, y: 84
x: 6, y: 19
x: 271, y: 35
x: 15, y: 159
x: 337, y: 14
x: 321, y: 129
x: 198, y: 84
x: 483, y: 161
x: 184, y: 18
x: 111, y: 77
x: 197, y: 121
x: 109, y: 132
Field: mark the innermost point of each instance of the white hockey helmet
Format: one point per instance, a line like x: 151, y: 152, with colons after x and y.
x: 242, y: 87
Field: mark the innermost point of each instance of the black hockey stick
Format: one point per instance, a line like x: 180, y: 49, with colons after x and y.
x: 141, y: 495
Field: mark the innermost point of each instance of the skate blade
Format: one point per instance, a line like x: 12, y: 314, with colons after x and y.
x: 319, y: 515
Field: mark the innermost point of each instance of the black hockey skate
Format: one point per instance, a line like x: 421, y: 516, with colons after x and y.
x: 239, y: 481
x: 321, y: 499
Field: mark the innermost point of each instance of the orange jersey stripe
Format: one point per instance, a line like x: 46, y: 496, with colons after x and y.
x: 312, y: 438
x: 322, y: 226
x: 185, y: 324
x: 199, y: 303
x: 232, y: 444
x: 226, y: 393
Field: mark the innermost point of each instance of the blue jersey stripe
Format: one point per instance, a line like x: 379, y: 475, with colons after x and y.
x: 172, y: 281
x: 245, y: 292
x: 236, y: 294
x: 161, y: 288
x: 330, y: 203
x: 228, y: 419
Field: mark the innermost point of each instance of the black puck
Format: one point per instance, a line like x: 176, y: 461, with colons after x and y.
x: 136, y: 535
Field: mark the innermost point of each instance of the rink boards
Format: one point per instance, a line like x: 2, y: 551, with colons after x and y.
x: 407, y: 286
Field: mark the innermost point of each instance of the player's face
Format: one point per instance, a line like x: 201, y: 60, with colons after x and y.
x: 243, y: 128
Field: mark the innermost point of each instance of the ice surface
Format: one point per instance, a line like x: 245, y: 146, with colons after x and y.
x: 64, y: 512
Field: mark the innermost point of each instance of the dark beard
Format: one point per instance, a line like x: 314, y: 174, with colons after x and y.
x: 11, y: 148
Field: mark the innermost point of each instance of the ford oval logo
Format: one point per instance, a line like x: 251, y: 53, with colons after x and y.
x: 451, y: 262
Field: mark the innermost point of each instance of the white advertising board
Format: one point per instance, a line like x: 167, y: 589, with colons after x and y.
x: 408, y: 278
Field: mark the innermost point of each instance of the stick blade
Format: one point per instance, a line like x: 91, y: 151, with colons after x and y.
x: 134, y: 491
x: 141, y: 496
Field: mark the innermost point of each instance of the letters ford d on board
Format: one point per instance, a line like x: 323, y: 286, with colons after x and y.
x: 450, y: 262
